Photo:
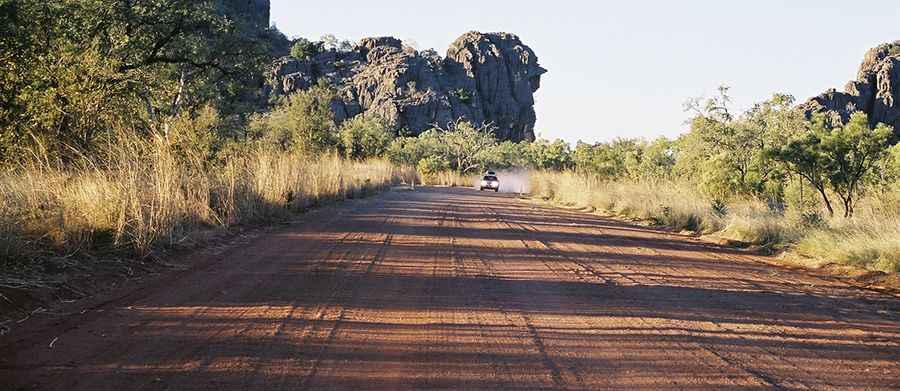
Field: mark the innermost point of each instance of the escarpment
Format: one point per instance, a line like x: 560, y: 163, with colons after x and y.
x: 876, y: 91
x: 485, y: 78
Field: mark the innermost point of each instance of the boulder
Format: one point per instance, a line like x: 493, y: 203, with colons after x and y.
x: 874, y: 92
x: 484, y: 78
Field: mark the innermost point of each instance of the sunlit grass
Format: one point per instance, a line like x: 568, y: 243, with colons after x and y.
x: 449, y: 178
x: 143, y: 198
x: 870, y: 240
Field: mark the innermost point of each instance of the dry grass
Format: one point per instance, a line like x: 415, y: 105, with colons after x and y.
x: 145, y: 198
x: 449, y: 178
x: 666, y: 204
x: 870, y: 240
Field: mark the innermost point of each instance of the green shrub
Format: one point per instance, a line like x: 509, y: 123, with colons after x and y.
x: 464, y: 95
x: 432, y: 165
x: 304, y: 49
x: 364, y: 137
x: 303, y: 122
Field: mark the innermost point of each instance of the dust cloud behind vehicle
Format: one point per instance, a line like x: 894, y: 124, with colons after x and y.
x: 511, y: 181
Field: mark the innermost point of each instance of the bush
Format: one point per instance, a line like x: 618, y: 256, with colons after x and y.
x: 364, y: 137
x: 463, y: 95
x: 303, y: 122
x: 431, y: 166
x: 304, y: 49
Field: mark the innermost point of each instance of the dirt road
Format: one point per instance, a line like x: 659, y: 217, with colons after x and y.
x: 456, y: 289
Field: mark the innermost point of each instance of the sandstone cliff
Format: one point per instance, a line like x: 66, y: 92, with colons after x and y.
x: 876, y: 91
x: 484, y: 78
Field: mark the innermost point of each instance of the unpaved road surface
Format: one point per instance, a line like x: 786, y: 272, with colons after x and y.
x: 456, y: 289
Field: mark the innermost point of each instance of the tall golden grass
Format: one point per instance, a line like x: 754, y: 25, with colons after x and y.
x: 448, y: 178
x: 870, y: 239
x: 148, y: 195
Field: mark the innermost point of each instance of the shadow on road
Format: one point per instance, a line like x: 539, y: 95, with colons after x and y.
x: 465, y: 290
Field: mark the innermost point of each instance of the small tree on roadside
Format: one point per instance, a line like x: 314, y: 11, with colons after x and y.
x: 364, y: 137
x: 852, y: 151
x: 836, y: 159
x: 468, y: 146
x: 432, y: 165
x: 727, y: 151
x: 303, y: 122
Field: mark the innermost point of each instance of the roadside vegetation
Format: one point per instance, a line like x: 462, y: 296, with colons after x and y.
x: 127, y: 129
x: 767, y: 177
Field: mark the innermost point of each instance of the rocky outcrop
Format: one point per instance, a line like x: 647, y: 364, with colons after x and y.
x: 876, y: 91
x: 484, y: 78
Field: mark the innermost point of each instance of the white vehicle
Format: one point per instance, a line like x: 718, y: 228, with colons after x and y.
x: 490, y: 182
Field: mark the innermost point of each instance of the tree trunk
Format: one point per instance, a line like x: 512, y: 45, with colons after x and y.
x: 827, y: 201
x: 848, y: 206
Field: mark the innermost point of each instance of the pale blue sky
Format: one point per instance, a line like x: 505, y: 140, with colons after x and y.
x: 625, y: 68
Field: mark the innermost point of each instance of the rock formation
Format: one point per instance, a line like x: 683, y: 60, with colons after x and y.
x: 876, y: 91
x: 484, y: 78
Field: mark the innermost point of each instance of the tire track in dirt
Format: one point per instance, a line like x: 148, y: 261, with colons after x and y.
x: 483, y: 273
x: 341, y: 314
x: 455, y: 289
x: 750, y: 362
x: 802, y: 283
x: 584, y: 272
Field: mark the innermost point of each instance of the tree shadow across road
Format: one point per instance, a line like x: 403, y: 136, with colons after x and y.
x: 443, y: 289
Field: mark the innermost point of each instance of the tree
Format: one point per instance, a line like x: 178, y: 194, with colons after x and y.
x: 547, y: 155
x: 303, y: 122
x: 304, y: 49
x: 886, y: 176
x: 78, y: 69
x: 851, y: 152
x: 836, y: 159
x: 364, y: 137
x: 609, y: 161
x: 657, y: 160
x: 407, y: 151
x: 507, y: 154
x: 329, y: 42
x: 727, y: 152
x: 467, y: 146
x: 432, y: 165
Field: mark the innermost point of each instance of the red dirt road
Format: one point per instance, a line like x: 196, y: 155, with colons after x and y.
x: 456, y: 289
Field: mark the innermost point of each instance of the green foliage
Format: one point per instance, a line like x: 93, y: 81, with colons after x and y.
x: 464, y: 95
x: 302, y: 122
x: 508, y: 154
x: 894, y: 49
x: 407, y: 151
x: 850, y: 153
x: 617, y: 159
x: 432, y: 165
x: 726, y: 153
x: 76, y: 72
x: 364, y: 137
x: 547, y: 155
x: 330, y: 42
x: 836, y: 160
x: 304, y: 49
x: 467, y: 147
